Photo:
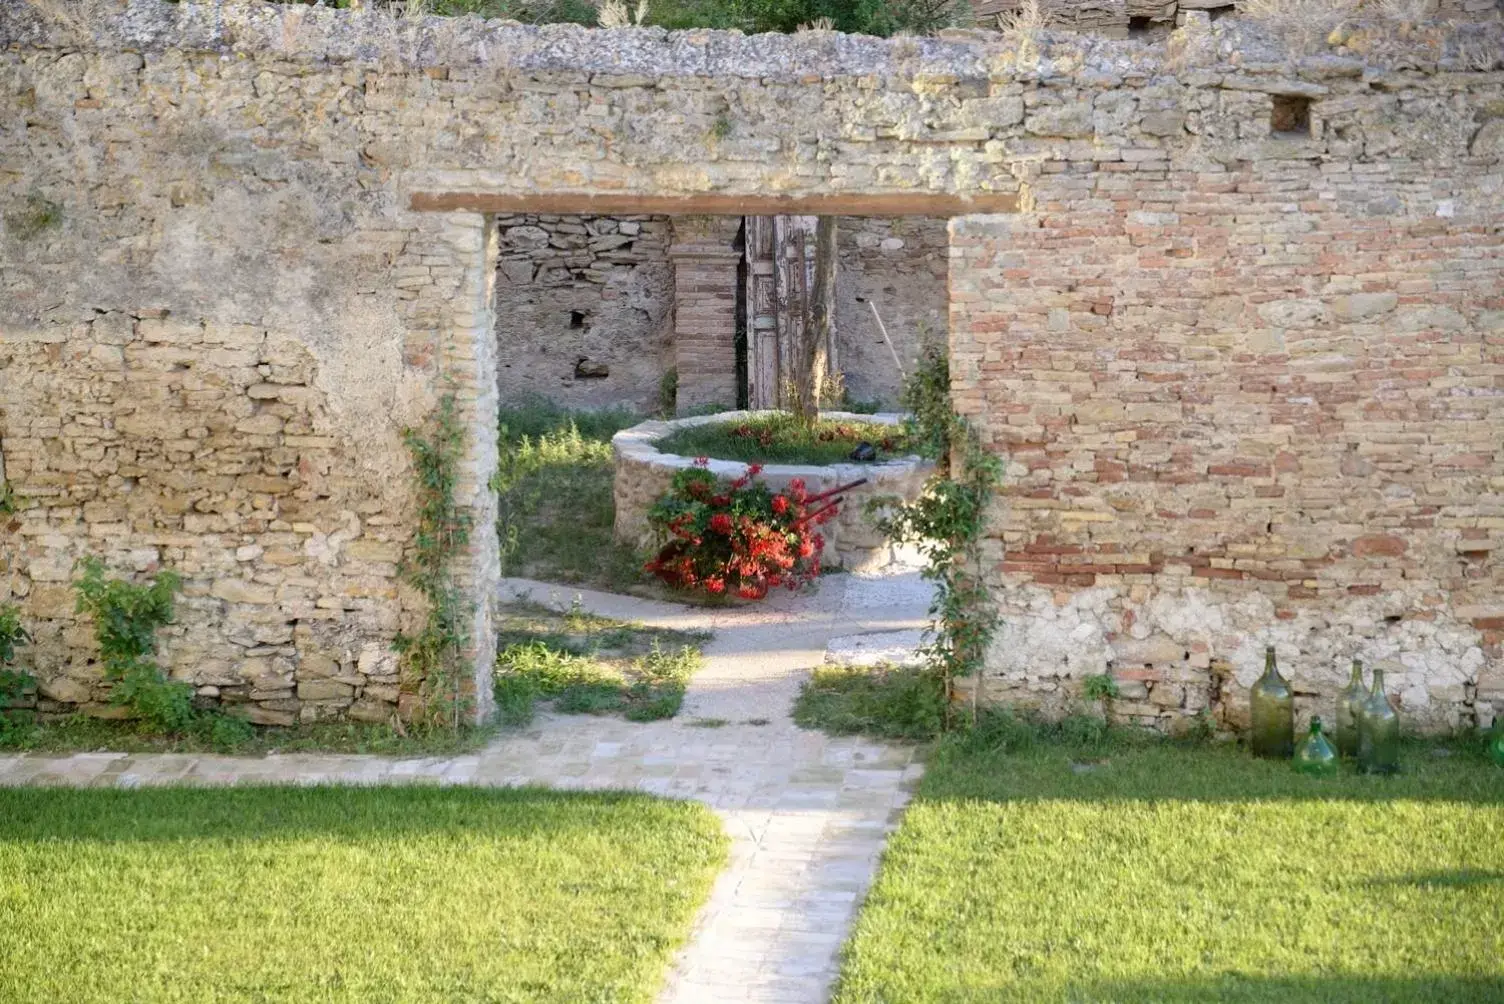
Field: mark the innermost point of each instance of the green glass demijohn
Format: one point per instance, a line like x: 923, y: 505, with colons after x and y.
x: 1349, y: 702
x: 1314, y: 755
x: 1273, y: 712
x: 1378, y: 731
x: 1496, y: 744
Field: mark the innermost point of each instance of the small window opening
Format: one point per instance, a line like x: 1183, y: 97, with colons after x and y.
x: 576, y: 318
x: 1216, y: 13
x: 1290, y: 115
x: 1140, y: 26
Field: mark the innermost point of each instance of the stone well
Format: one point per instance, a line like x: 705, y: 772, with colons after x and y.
x: 643, y: 474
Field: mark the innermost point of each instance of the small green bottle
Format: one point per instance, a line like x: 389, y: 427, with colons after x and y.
x: 1272, y: 706
x: 1378, y: 731
x: 1314, y: 755
x: 1349, y: 702
x: 1496, y: 743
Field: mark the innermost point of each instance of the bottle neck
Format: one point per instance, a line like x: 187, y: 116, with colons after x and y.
x: 1357, y: 680
x: 1378, y: 681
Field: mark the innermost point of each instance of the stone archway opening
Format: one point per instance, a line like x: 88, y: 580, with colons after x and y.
x: 704, y: 347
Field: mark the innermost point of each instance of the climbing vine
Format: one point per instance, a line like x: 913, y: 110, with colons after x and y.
x: 948, y: 523
x: 127, y: 616
x: 434, y: 656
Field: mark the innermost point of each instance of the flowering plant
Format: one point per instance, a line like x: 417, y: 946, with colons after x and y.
x: 739, y: 536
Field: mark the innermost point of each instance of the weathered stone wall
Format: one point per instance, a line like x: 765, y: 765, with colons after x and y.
x: 584, y: 305
x: 220, y: 307
x: 1155, y: 18
x: 1251, y: 391
x: 584, y: 309
x: 898, y: 265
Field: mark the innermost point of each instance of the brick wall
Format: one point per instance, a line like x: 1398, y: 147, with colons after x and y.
x: 1242, y: 407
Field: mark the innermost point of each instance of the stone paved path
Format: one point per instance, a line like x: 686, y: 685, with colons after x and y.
x: 807, y: 813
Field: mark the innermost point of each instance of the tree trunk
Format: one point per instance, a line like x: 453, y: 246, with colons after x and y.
x: 814, y: 353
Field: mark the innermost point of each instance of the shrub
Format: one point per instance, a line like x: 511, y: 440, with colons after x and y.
x: 126, y: 619
x: 14, y: 684
x: 886, y: 702
x: 12, y: 634
x: 738, y: 537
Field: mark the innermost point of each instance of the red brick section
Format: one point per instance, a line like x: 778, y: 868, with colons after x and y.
x: 705, y: 262
x: 1240, y: 381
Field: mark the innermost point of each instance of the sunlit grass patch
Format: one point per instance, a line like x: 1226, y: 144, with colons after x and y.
x: 346, y: 894
x: 1033, y: 868
x: 585, y: 664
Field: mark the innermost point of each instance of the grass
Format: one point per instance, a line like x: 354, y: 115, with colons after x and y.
x: 336, y: 894
x: 782, y: 439
x: 554, y: 487
x: 78, y: 732
x: 887, y: 702
x: 585, y: 664
x: 1077, y: 864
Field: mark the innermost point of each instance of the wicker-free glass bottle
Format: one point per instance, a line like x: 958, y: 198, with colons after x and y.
x: 1272, y: 707
x: 1496, y: 744
x: 1378, y: 731
x: 1314, y: 755
x: 1349, y: 702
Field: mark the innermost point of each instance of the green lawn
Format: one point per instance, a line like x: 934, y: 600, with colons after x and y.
x: 79, y: 732
x: 1030, y: 870
x: 555, y: 511
x: 277, y: 895
x: 587, y: 664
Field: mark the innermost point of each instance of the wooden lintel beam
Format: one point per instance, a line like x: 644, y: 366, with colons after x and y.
x: 717, y: 204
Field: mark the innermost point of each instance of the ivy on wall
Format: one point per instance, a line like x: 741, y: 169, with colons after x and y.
x: 948, y: 523
x: 434, y: 656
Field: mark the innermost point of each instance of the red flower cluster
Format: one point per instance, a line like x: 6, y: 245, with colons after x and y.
x: 738, y: 536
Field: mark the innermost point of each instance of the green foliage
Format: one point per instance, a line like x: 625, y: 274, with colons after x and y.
x: 32, y: 216
x: 668, y: 392
x: 867, y: 17
x: 8, y: 503
x: 721, y: 127
x: 1099, y: 687
x: 126, y: 618
x: 930, y: 423
x: 14, y: 684
x: 782, y: 439
x: 434, y: 656
x: 886, y: 702
x: 12, y: 633
x: 454, y: 895
x: 227, y: 734
x: 586, y: 664
x: 555, y: 511
x: 948, y: 523
x: 235, y: 735
x: 646, y: 688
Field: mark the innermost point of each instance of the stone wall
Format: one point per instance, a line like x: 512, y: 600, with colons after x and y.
x: 899, y: 266
x: 1155, y: 18
x: 584, y: 305
x: 245, y: 245
x: 584, y: 309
